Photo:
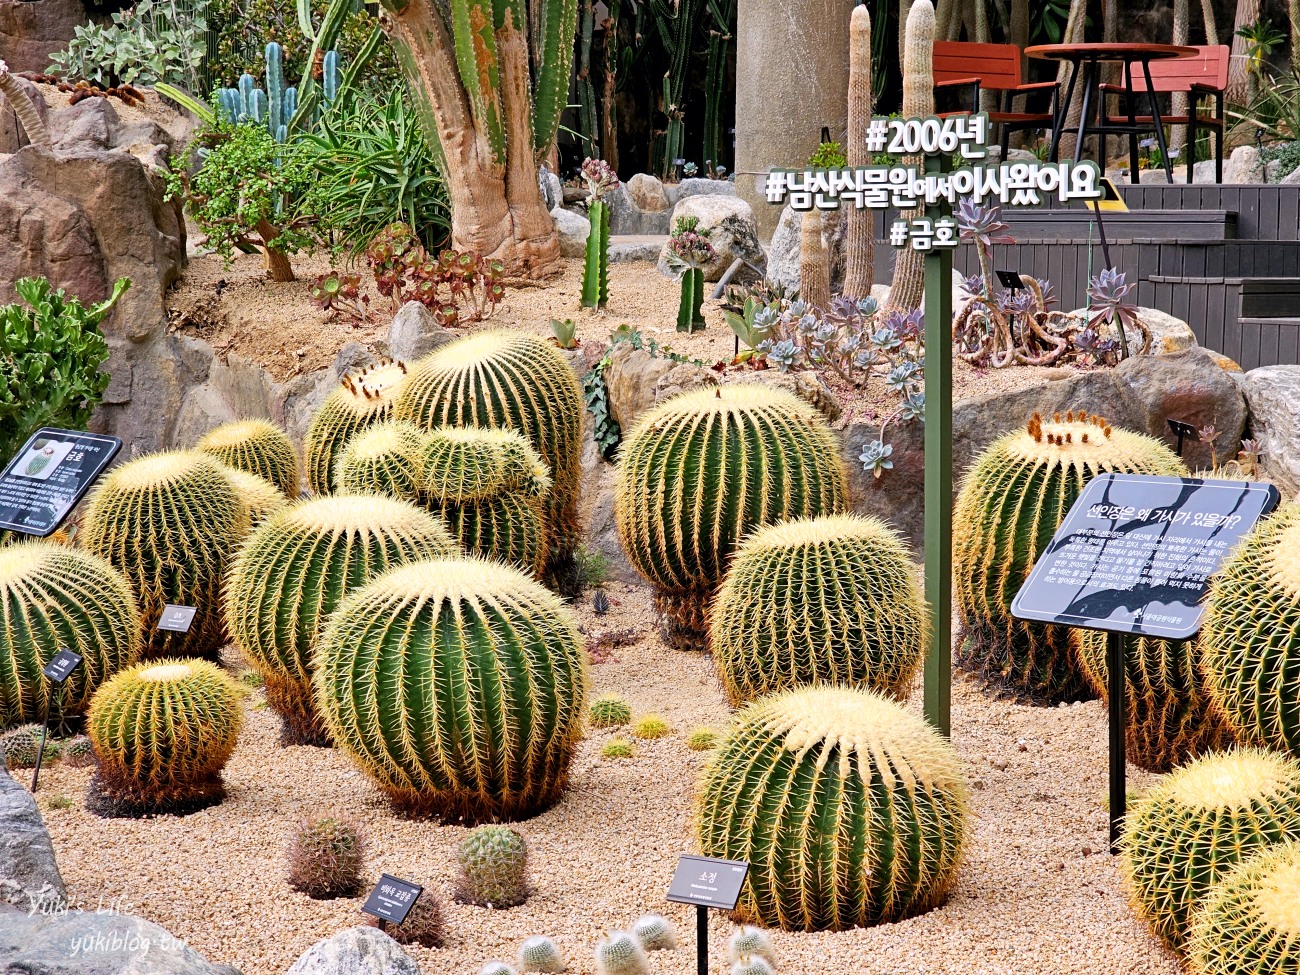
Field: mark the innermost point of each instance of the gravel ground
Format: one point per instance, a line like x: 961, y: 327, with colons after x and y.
x: 1038, y: 894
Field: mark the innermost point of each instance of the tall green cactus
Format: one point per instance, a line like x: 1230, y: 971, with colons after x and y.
x: 690, y: 307
x: 595, y: 263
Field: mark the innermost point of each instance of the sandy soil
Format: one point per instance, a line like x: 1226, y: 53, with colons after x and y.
x: 1037, y: 894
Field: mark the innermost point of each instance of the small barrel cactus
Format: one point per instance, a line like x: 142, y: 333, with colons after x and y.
x: 609, y: 711
x: 257, y: 447
x: 260, y: 496
x: 19, y: 746
x: 326, y: 858
x: 382, y: 459
x: 540, y: 954
x: 77, y: 751
x: 57, y: 597
x: 752, y: 965
x: 1248, y: 922
x: 702, y: 470
x: 831, y: 600
x: 751, y: 942
x: 655, y: 932
x: 171, y: 523
x: 497, y: 968
x: 651, y: 726
x: 1198, y: 822
x: 880, y: 836
x: 701, y: 739
x: 998, y: 535
x: 361, y: 401
x: 619, y: 953
x: 493, y: 868
x: 162, y: 733
x: 617, y: 748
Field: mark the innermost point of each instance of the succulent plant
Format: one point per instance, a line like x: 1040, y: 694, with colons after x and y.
x: 850, y: 810
x: 701, y: 471
x: 260, y: 496
x: 171, y: 523
x: 56, y: 597
x: 77, y: 751
x: 492, y: 868
x: 1108, y: 292
x: 518, y: 382
x: 702, y: 739
x: 655, y: 933
x: 257, y: 447
x: 540, y: 954
x: 1250, y: 637
x: 650, y: 727
x: 1247, y: 923
x: 609, y: 711
x: 162, y: 733
x: 497, y: 968
x: 595, y: 267
x: 19, y: 746
x: 860, y: 234
x: 425, y: 923
x: 819, y: 600
x: 617, y: 748
x: 749, y: 941
x: 382, y: 459
x: 326, y: 858
x: 1170, y: 718
x: 997, y: 539
x: 297, y: 568
x: 752, y: 965
x: 1199, y: 821
x: 619, y: 953
x: 361, y: 400
x: 450, y: 653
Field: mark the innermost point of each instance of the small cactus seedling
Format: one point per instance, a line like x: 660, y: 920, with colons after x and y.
x: 702, y: 739
x: 19, y: 746
x: 493, y: 868
x: 497, y: 968
x: 752, y: 965
x: 610, y: 711
x: 655, y: 932
x: 618, y: 953
x: 77, y: 753
x: 540, y: 954
x: 751, y: 942
x: 650, y: 727
x: 617, y: 748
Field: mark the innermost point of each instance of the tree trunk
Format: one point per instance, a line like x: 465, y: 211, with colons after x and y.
x: 1294, y: 7
x: 609, y: 80
x: 1239, y: 64
x: 1074, y: 26
x: 1182, y: 33
x: 276, y: 262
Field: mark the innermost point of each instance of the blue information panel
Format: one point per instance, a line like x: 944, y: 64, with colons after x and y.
x: 51, y: 473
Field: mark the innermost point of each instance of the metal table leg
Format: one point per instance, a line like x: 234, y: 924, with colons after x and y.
x: 1090, y: 81
x: 1156, y: 120
x: 1063, y: 111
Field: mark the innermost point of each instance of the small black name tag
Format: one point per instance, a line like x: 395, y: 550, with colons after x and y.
x: 1136, y: 552
x: 392, y: 899
x: 62, y: 665
x: 176, y: 619
x: 707, y: 882
x: 50, y: 474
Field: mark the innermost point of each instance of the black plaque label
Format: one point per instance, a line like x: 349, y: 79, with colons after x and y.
x: 176, y: 619
x: 63, y: 664
x: 50, y: 474
x: 707, y: 882
x: 392, y: 899
x: 1135, y: 553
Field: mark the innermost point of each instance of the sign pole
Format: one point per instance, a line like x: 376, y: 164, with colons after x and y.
x: 938, y: 472
x: 1115, y: 693
x: 40, y: 752
x: 701, y: 940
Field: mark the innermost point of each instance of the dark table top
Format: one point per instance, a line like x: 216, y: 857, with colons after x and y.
x: 1110, y: 52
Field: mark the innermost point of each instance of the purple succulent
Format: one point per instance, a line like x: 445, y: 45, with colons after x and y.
x: 1109, y: 293
x: 982, y: 224
x: 691, y: 248
x: 599, y: 176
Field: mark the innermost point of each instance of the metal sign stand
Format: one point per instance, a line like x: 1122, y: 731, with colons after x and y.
x: 1116, y: 693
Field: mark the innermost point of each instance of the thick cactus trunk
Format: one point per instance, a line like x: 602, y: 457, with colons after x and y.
x: 860, y: 243
x: 814, y: 272
x: 23, y: 108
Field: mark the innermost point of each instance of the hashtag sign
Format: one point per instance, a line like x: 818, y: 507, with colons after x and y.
x: 777, y: 184
x: 898, y: 233
x: 877, y: 134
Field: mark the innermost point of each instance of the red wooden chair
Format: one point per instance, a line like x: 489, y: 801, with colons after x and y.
x: 992, y: 67
x: 1203, y: 77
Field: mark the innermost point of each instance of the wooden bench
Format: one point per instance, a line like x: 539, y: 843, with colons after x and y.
x: 992, y: 67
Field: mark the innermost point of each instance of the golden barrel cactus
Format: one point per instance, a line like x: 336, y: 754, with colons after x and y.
x: 383, y: 459
x: 361, y: 400
x: 260, y: 496
x: 257, y: 447
x: 1249, y: 923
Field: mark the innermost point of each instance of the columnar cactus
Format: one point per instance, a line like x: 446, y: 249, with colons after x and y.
x: 860, y: 241
x: 383, y: 459
x: 297, y: 568
x: 1184, y: 835
x: 595, y: 266
x: 701, y: 471
x: 492, y: 867
x: 260, y: 496
x: 829, y: 600
x: 1011, y: 503
x: 850, y: 810
x: 540, y: 954
x: 479, y: 676
x: 1247, y: 924
x: 1250, y: 640
x: 814, y: 269
x: 362, y: 400
x: 162, y: 733
x: 171, y: 523
x: 24, y: 110
x: 257, y: 447
x: 517, y: 382
x: 618, y: 953
x: 1170, y: 717
x: 55, y: 597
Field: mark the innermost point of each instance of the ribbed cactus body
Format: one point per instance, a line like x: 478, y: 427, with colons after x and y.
x: 831, y: 600
x: 260, y: 496
x: 257, y: 447
x: 1198, y: 822
x: 459, y: 686
x: 749, y: 941
x: 493, y: 867
x: 655, y: 933
x: 701, y: 471
x: 384, y: 459
x: 752, y: 965
x: 171, y: 523
x: 1169, y: 718
x: 54, y: 597
x: 850, y: 810
x: 619, y: 953
x: 860, y: 239
x: 814, y: 269
x: 362, y: 400
x: 1250, y: 638
x: 609, y: 711
x: 508, y: 529
x: 1011, y: 503
x: 517, y: 382
x: 1250, y: 922
x: 162, y: 733
x: 540, y: 954
x: 297, y: 568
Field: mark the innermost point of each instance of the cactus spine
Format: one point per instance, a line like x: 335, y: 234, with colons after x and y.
x: 860, y: 242
x: 618, y: 953
x: 360, y: 402
x: 814, y: 271
x: 479, y: 676
x: 702, y: 470
x: 655, y: 933
x: 493, y: 868
x: 1251, y: 636
x: 260, y: 496
x: 595, y: 266
x: 609, y: 711
x: 56, y: 597
x: 1011, y: 502
x: 752, y: 965
x: 383, y: 459
x: 1250, y: 921
x: 850, y: 810
x: 297, y: 568
x: 257, y: 447
x: 819, y: 600
x: 749, y: 941
x: 540, y: 954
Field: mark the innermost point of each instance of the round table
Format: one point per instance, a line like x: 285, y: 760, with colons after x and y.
x: 1087, y: 59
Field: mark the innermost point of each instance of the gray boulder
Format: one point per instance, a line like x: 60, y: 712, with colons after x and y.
x: 415, y: 333
x: 729, y: 224
x: 636, y: 381
x: 29, y: 877
x: 1169, y: 335
x: 552, y: 188
x: 703, y: 186
x: 356, y: 951
x: 647, y: 193
x: 783, y: 252
x: 573, y: 230
x: 1273, y: 393
x: 1245, y: 165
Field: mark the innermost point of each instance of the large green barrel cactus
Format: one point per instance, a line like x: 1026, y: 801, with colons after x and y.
x: 171, y: 523
x: 518, y: 382
x: 1170, y: 718
x: 1011, y: 503
x: 831, y: 600
x: 1250, y: 638
x: 459, y: 686
x: 850, y: 810
x: 1199, y: 821
x: 361, y: 400
x: 1250, y: 922
x: 162, y: 733
x: 702, y: 470
x: 257, y: 447
x: 260, y: 496
x: 384, y: 459
x: 55, y: 597
x: 297, y: 568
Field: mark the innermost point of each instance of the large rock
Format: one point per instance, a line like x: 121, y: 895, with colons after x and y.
x: 1273, y: 394
x: 647, y: 193
x: 637, y: 381
x: 703, y: 186
x: 573, y: 230
x: 1169, y: 335
x: 729, y: 224
x: 415, y: 333
x: 356, y: 951
x: 552, y: 188
x: 32, y: 30
x: 626, y: 217
x: 1245, y: 165
x: 29, y: 877
x: 12, y: 134
x: 783, y: 251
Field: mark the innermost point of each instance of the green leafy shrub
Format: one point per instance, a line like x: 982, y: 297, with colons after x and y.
x: 326, y: 858
x: 493, y: 868
x: 152, y: 41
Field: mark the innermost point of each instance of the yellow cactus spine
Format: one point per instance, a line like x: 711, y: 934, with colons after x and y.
x: 361, y: 400
x: 257, y: 447
x: 860, y: 242
x: 260, y: 496
x: 1250, y: 921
